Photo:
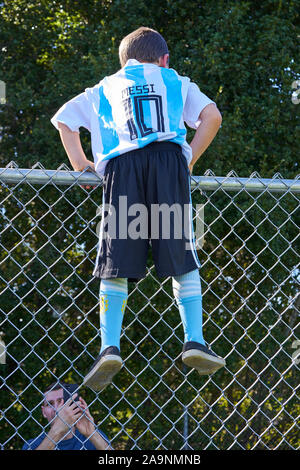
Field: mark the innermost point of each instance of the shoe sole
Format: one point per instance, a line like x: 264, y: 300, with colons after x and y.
x: 204, y: 363
x: 102, y: 373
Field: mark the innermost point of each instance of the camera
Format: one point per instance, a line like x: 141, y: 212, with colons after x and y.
x: 69, y: 390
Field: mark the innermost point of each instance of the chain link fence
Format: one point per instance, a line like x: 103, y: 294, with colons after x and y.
x: 49, y: 307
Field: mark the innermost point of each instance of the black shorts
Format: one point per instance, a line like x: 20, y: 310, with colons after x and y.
x: 146, y: 201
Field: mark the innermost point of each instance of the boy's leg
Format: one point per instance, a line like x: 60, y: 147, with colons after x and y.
x: 120, y: 258
x: 122, y: 254
x: 187, y: 292
x: 113, y: 299
x: 173, y: 248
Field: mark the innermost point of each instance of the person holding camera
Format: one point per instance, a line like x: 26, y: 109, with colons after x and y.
x: 71, y: 424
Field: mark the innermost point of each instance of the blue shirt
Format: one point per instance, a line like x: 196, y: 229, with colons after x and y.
x: 77, y: 442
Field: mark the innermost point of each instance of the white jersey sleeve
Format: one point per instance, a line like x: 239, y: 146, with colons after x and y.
x: 195, y: 103
x: 75, y: 113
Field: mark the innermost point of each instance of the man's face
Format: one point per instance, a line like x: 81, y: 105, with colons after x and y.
x: 53, y: 401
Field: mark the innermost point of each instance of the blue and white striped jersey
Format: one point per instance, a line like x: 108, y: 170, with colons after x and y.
x: 139, y: 104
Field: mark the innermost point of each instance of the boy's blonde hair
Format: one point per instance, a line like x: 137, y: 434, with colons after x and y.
x: 143, y: 44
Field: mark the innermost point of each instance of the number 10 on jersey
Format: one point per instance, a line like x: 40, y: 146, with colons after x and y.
x: 144, y: 115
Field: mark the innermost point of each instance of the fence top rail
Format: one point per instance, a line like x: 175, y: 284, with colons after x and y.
x: 206, y: 183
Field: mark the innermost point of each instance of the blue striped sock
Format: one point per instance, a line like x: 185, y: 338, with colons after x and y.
x: 187, y: 292
x: 113, y: 299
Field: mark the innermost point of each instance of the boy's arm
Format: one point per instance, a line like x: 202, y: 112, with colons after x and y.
x: 72, y: 145
x: 211, y: 120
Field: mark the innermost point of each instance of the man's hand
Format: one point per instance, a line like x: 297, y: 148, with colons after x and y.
x: 66, y: 417
x: 85, y: 424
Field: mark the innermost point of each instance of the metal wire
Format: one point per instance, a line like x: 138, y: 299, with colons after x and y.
x: 49, y: 307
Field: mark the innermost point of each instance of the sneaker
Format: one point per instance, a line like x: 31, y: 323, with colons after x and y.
x: 107, y: 364
x: 200, y: 357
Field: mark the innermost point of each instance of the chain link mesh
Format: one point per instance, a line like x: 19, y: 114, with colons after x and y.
x: 49, y: 307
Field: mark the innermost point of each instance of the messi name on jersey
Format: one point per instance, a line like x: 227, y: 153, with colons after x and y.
x: 143, y: 104
x: 138, y: 89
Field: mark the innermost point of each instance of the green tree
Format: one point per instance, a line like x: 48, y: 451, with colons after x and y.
x: 242, y: 55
